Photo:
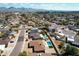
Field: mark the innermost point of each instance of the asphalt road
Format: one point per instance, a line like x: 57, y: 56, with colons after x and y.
x: 18, y: 47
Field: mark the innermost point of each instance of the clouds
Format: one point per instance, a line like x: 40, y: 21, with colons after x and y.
x: 47, y: 6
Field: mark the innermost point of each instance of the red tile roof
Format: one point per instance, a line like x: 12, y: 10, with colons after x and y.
x: 37, y: 45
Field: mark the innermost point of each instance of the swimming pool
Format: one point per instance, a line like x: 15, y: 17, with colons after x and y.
x: 49, y: 43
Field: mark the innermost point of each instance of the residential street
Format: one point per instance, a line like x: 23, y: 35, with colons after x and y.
x: 19, y: 44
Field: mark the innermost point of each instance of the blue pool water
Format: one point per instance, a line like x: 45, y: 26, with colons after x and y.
x: 49, y: 43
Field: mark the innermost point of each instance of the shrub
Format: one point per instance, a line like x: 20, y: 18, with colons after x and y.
x: 50, y: 46
x: 23, y: 53
x: 71, y: 50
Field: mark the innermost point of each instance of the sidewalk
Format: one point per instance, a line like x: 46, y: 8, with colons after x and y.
x: 24, y: 41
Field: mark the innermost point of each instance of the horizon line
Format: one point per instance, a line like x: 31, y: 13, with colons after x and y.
x: 45, y: 6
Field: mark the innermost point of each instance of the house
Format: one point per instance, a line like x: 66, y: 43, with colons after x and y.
x: 3, y: 43
x: 4, y: 39
x: 53, y: 26
x: 13, y: 21
x: 51, y: 29
x: 34, y: 34
x: 2, y: 47
x: 60, y: 18
x: 31, y: 23
x: 76, y: 40
x: 37, y: 46
x: 34, y: 30
x: 68, y: 33
x: 71, y: 27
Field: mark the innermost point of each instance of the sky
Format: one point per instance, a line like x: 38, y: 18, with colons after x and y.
x: 47, y: 6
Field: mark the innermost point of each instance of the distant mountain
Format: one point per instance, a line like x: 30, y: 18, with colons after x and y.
x: 61, y: 11
x: 12, y: 9
x: 58, y: 11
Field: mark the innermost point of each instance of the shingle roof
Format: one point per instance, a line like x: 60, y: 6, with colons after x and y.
x: 5, y: 41
x: 34, y: 35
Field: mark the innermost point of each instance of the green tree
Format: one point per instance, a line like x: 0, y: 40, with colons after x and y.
x: 71, y: 50
x: 23, y: 53
x: 77, y: 22
x: 64, y: 22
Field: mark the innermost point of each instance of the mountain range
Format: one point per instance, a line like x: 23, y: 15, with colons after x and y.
x: 12, y: 9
